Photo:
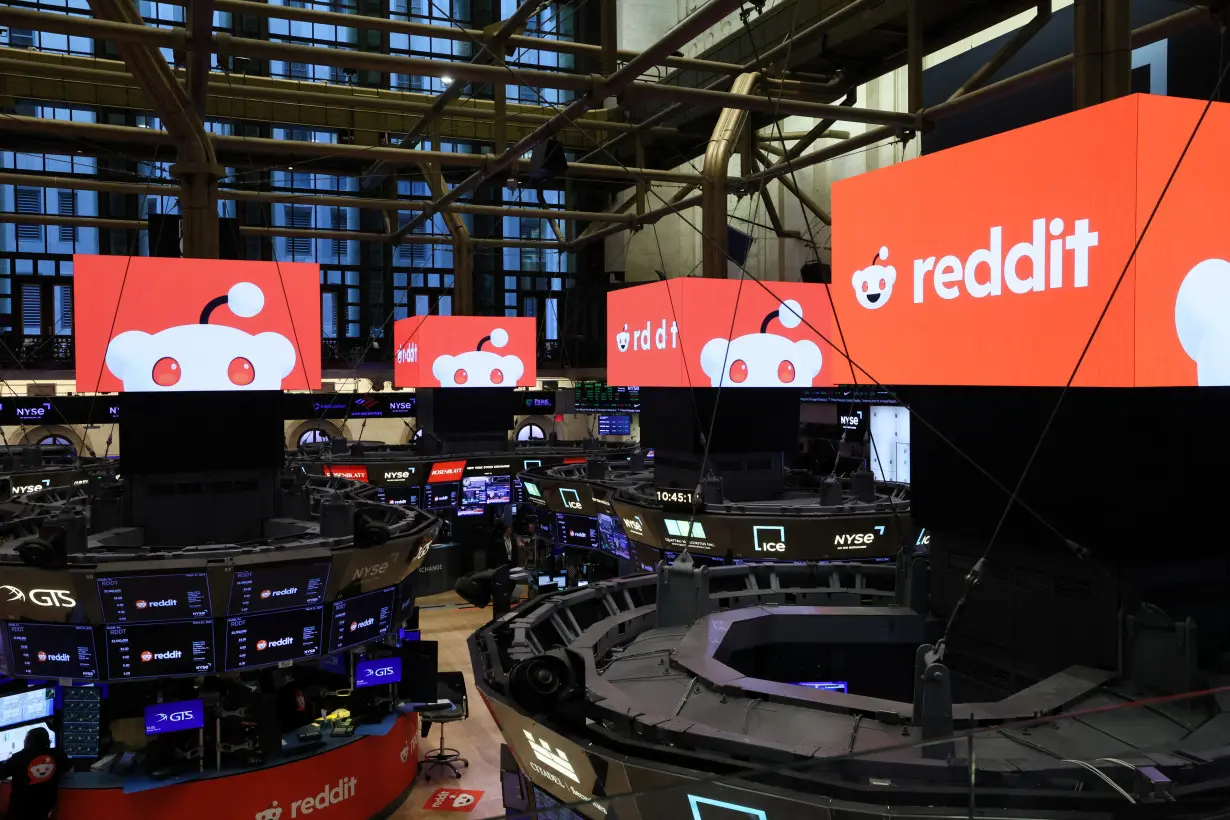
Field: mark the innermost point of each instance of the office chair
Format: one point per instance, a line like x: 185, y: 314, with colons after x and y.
x: 451, y: 687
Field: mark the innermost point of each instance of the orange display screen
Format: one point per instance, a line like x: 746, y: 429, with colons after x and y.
x: 465, y: 351
x: 992, y: 262
x: 150, y: 324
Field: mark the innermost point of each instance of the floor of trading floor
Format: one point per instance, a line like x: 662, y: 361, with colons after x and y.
x: 445, y: 619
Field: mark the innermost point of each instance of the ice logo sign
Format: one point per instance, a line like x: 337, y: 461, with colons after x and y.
x: 203, y: 356
x: 764, y: 359
x: 706, y: 808
x: 1199, y: 320
x: 478, y: 367
x: 874, y: 283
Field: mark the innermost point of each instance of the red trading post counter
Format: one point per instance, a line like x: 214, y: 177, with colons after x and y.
x: 353, y: 779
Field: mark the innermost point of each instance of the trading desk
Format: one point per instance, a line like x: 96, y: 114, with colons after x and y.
x: 360, y: 777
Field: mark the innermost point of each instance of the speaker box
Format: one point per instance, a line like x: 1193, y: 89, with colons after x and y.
x: 164, y: 236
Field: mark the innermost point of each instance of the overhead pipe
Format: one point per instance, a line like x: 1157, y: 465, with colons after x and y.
x: 675, y: 205
x: 676, y: 38
x: 128, y: 136
x: 816, y: 29
x: 730, y: 126
x: 515, y: 22
x: 773, y: 105
x: 1007, y: 51
x: 8, y: 217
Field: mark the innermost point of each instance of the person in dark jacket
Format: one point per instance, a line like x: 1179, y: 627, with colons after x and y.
x: 502, y: 548
x: 36, y: 772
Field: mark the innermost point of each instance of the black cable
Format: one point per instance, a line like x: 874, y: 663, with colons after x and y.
x: 971, y: 579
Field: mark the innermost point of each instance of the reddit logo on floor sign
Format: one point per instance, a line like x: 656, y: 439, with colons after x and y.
x: 170, y: 325
x: 874, y: 284
x: 478, y: 367
x: 764, y: 359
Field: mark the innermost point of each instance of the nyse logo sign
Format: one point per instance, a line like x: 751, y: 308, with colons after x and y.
x: 769, y: 538
x: 42, y: 484
x: 374, y: 570
x: 61, y: 598
x: 857, y: 541
x: 634, y: 525
x: 396, y: 475
x: 571, y: 499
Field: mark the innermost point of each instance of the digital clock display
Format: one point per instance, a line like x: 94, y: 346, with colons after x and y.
x: 675, y: 496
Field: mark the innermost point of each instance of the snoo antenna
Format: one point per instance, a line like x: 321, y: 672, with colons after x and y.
x: 790, y: 314
x: 244, y: 299
x: 498, y: 338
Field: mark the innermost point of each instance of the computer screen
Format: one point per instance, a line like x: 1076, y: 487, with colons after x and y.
x: 441, y: 496
x: 612, y: 538
x: 174, y: 717
x: 23, y: 707
x: 614, y: 425
x: 576, y: 530
x: 53, y: 651
x: 478, y: 491
x: 377, y: 673
x: 135, y: 598
x: 273, y: 637
x: 160, y: 650
x: 14, y: 740
x: 278, y: 586
x: 361, y: 619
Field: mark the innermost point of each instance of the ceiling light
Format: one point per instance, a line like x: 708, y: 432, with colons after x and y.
x: 446, y: 80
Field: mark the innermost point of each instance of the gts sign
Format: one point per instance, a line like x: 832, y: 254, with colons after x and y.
x: 857, y: 541
x: 60, y: 598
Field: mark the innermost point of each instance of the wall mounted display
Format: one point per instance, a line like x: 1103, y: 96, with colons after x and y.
x: 465, y: 351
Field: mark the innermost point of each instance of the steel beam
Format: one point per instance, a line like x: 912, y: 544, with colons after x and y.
x: 92, y: 183
x: 813, y: 33
x: 1007, y: 51
x: 605, y: 87
x: 726, y: 132
x: 676, y: 205
x: 777, y: 105
x: 494, y: 44
x: 196, y: 169
x: 463, y: 252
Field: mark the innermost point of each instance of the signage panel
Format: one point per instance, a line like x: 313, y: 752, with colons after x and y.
x: 45, y: 595
x: 717, y: 332
x: 156, y: 325
x: 465, y: 351
x: 1002, y: 282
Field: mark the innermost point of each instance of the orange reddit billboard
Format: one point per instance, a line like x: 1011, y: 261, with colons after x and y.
x: 991, y: 263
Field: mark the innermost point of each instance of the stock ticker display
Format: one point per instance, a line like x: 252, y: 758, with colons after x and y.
x: 600, y: 397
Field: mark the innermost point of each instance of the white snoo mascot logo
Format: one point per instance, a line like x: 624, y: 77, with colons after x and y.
x: 763, y: 359
x: 1200, y: 320
x: 205, y: 356
x: 478, y: 367
x: 874, y: 283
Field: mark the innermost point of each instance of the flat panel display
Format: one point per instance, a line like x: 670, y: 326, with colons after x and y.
x: 361, y: 619
x: 377, y: 673
x: 615, y: 425
x: 441, y: 496
x: 273, y: 637
x: 478, y: 491
x: 145, y: 598
x: 401, y: 496
x: 278, y: 586
x: 611, y: 537
x: 179, y: 716
x: 600, y: 397
x: 23, y: 707
x: 14, y: 740
x: 156, y: 325
x: 576, y: 530
x: 465, y: 351
x: 160, y: 650
x: 826, y: 685
x: 535, y: 402
x: 53, y: 651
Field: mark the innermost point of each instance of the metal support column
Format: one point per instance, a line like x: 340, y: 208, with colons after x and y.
x: 914, y: 57
x: 1103, y: 49
x: 198, y: 207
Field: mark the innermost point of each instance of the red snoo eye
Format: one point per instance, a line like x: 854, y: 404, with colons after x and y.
x: 883, y: 284
x: 166, y: 372
x: 864, y: 287
x: 240, y: 371
x: 461, y: 377
x: 497, y: 377
x: 738, y: 371
x: 785, y: 372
